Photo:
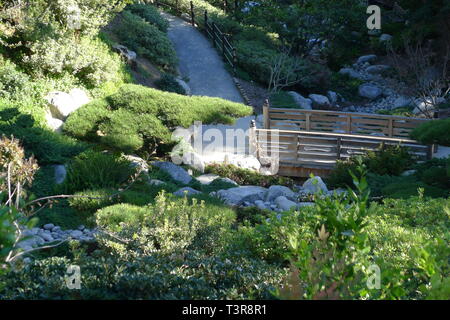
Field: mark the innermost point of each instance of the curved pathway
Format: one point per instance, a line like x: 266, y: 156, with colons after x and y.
x: 200, y: 62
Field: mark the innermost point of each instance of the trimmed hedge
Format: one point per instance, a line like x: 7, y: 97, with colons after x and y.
x: 149, y: 14
x: 137, y: 117
x: 436, y: 131
x: 147, y: 40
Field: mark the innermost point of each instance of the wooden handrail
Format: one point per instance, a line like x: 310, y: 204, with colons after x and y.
x: 340, y: 135
x: 358, y: 114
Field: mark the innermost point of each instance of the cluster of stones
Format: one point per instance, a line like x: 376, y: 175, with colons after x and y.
x: 381, y: 93
x: 275, y: 198
x: 49, y: 233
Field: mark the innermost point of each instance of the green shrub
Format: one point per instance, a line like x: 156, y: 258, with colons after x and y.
x: 96, y: 170
x: 433, y: 132
x: 390, y: 160
x: 92, y: 200
x: 147, y: 40
x: 89, y: 60
x: 167, y: 225
x: 154, y: 277
x: 139, y: 118
x: 149, y: 14
x: 246, y: 176
x: 168, y: 83
x: 345, y: 85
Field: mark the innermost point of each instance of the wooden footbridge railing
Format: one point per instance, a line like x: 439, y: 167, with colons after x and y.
x: 339, y: 122
x: 311, y: 141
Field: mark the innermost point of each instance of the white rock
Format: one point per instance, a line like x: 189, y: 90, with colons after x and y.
x: 176, y: 172
x: 284, y: 203
x: 301, y: 101
x: 237, y: 196
x: 314, y: 185
x: 276, y: 191
x: 62, y: 104
x: 319, y: 100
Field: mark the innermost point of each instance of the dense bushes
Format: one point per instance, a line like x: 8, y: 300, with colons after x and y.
x: 389, y: 160
x: 92, y: 170
x: 149, y: 14
x: 246, y: 176
x: 436, y: 131
x: 168, y: 83
x: 60, y: 39
x: 139, y: 118
x: 147, y: 40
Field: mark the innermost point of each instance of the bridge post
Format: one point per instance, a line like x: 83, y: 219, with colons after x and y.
x: 192, y: 14
x: 214, y: 35
x: 206, y: 22
x: 234, y: 61
x: 266, y: 114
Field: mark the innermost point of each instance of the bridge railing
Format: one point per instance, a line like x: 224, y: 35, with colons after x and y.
x: 300, y: 152
x: 339, y: 122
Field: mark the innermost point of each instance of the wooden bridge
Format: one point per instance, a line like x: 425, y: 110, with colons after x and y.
x: 311, y: 141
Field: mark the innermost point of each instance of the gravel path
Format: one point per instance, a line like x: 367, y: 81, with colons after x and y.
x: 200, y: 62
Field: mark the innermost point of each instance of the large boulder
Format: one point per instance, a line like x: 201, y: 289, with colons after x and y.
x: 176, y: 172
x: 284, y: 203
x: 319, y: 100
x: 301, y: 101
x: 369, y: 91
x: 276, y: 191
x: 314, y: 185
x: 129, y: 55
x: 62, y: 104
x: 239, y: 195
